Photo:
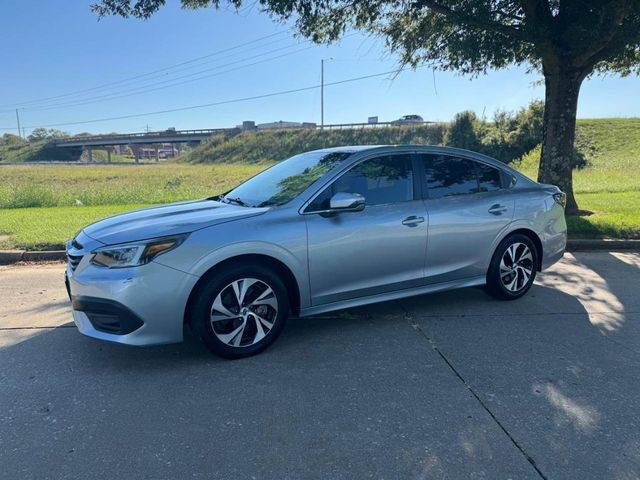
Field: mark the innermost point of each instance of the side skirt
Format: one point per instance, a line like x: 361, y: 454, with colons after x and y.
x: 385, y: 297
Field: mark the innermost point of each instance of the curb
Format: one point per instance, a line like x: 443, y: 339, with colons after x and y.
x: 9, y: 257
x: 611, y: 244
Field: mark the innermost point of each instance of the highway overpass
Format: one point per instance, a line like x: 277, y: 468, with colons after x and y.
x: 145, y: 138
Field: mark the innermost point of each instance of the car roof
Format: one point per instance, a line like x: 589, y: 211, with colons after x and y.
x: 437, y: 149
x: 425, y: 148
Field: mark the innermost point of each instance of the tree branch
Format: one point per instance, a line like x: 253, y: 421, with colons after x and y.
x: 607, y: 31
x: 474, y: 21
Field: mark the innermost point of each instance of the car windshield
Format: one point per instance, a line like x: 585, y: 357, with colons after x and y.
x: 285, y: 180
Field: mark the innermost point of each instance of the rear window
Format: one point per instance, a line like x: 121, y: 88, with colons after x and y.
x: 489, y: 178
x: 449, y: 176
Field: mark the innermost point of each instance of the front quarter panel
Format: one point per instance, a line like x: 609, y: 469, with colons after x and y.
x: 280, y: 234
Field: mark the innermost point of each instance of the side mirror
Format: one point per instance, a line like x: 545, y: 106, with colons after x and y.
x: 346, y: 202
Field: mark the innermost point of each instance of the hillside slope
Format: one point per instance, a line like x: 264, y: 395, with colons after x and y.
x: 270, y: 146
x: 33, y: 152
x: 610, y: 142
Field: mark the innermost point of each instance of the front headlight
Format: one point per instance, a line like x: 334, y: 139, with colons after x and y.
x: 135, y: 254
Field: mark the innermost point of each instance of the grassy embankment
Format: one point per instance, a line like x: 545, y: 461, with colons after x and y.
x: 41, y: 206
x: 610, y: 184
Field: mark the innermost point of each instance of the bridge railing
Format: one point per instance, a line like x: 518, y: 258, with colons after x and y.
x: 151, y: 135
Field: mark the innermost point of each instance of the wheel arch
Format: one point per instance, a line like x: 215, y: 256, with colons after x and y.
x: 289, y: 279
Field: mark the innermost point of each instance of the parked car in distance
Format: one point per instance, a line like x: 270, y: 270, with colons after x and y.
x: 408, y: 120
x: 322, y: 231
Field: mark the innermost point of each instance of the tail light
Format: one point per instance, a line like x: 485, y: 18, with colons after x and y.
x: 560, y: 198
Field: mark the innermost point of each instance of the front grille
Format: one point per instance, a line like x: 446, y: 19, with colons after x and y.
x: 74, y: 260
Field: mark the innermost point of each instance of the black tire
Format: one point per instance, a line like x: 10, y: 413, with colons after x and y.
x: 503, y: 287
x: 220, y: 284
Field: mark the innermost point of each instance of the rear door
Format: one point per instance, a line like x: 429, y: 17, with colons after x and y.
x: 468, y: 206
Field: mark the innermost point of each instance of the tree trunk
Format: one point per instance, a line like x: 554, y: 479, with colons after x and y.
x: 559, y: 128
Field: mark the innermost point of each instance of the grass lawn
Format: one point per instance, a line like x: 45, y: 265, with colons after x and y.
x: 49, y: 228
x: 615, y: 215
x: 28, y: 186
x: 41, y: 206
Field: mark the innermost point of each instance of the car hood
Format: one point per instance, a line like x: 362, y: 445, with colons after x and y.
x: 166, y: 220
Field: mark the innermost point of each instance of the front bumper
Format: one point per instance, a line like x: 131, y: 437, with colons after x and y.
x: 135, y: 306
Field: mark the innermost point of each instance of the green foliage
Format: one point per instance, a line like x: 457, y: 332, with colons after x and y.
x: 10, y: 139
x: 512, y: 135
x: 40, y: 134
x: 464, y: 132
x: 507, y: 138
x: 276, y: 145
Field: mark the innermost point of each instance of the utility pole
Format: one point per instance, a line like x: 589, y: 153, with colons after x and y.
x: 18, y: 118
x: 321, y: 97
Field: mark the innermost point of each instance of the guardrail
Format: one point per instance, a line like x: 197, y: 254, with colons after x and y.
x: 340, y: 126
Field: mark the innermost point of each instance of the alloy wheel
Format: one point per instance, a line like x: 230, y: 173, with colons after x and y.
x: 516, y: 267
x: 244, y: 312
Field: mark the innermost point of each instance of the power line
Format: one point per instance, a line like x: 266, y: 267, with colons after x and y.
x: 125, y: 80
x: 173, y: 82
x: 82, y: 101
x: 222, y: 102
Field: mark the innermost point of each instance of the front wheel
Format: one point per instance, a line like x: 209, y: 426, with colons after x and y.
x: 513, y: 268
x: 240, y: 311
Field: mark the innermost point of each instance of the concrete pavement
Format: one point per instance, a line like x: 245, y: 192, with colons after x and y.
x: 452, y: 385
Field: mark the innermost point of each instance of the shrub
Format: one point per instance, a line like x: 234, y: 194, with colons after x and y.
x: 464, y: 132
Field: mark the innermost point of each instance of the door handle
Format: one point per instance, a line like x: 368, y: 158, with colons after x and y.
x: 497, y: 209
x: 412, y: 221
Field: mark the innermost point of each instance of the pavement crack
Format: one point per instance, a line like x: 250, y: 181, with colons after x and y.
x: 413, y: 324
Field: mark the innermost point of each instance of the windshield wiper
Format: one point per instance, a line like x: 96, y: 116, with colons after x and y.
x: 237, y: 201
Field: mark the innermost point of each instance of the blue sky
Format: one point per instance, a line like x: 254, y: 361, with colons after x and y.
x: 57, y: 58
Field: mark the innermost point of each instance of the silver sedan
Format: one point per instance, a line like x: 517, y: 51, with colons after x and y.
x: 322, y: 231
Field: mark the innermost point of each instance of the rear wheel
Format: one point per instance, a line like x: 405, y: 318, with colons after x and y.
x: 240, y: 311
x: 513, y: 268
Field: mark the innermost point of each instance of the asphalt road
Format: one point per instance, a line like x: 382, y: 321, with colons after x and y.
x: 453, y: 385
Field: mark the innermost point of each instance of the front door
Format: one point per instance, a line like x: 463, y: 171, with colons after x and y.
x: 377, y: 250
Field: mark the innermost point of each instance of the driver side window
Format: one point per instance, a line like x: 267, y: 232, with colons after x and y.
x: 381, y: 180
